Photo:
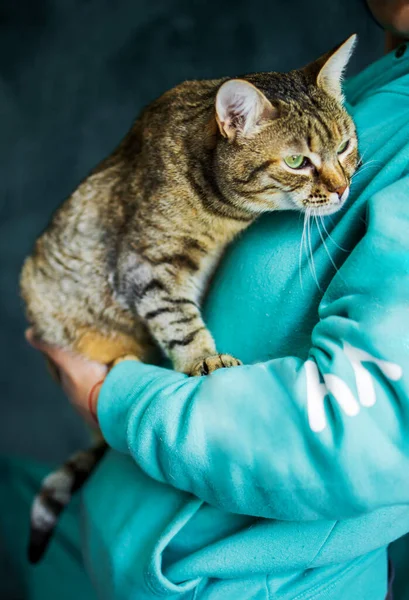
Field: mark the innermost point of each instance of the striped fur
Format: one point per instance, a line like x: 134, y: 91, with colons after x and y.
x: 56, y: 492
x: 123, y: 265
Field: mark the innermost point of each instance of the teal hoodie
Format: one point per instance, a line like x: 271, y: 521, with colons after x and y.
x: 285, y: 478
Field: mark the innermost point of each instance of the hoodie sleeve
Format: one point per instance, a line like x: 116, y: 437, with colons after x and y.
x: 325, y: 438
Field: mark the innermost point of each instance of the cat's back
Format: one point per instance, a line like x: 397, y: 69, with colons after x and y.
x: 67, y: 273
x: 72, y: 264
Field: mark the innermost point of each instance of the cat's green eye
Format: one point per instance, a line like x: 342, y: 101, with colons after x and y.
x: 343, y: 147
x: 296, y: 161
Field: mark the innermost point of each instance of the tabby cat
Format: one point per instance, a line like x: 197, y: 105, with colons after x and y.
x: 124, y: 262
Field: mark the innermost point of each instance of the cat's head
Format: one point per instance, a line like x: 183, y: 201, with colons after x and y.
x: 286, y: 140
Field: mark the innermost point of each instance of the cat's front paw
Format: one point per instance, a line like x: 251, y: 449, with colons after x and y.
x: 211, y: 363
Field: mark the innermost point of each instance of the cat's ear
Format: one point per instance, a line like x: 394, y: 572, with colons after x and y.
x: 241, y: 108
x: 332, y: 67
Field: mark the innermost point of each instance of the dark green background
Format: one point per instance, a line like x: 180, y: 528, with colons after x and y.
x: 73, y: 76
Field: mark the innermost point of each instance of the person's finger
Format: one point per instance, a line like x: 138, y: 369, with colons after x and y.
x: 65, y: 359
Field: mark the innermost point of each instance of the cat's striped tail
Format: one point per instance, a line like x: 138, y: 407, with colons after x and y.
x: 56, y: 492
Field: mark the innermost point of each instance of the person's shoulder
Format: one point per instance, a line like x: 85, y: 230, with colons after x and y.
x: 383, y: 72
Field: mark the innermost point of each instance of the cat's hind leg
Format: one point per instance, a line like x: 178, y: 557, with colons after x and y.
x: 108, y: 349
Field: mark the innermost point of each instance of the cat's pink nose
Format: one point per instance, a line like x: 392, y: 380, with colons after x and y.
x: 340, y: 190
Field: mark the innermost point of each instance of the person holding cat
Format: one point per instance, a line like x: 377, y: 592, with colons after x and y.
x: 285, y: 477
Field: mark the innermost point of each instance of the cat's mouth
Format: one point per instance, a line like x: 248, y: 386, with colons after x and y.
x: 322, y: 209
x: 323, y: 204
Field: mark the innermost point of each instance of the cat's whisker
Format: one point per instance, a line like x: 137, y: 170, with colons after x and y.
x: 305, y: 235
x: 302, y: 242
x: 370, y: 162
x: 329, y: 236
x: 364, y: 166
x: 312, y: 264
x: 324, y: 244
x: 362, y: 158
x: 362, y: 170
x: 306, y: 240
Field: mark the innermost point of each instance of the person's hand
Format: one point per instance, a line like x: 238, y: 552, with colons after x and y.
x: 80, y: 379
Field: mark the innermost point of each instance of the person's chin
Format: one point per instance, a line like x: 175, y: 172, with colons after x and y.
x: 392, y: 15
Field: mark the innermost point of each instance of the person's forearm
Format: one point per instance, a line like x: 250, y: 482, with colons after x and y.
x: 240, y: 439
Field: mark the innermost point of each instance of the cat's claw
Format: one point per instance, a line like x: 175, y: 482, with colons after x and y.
x: 211, y: 363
